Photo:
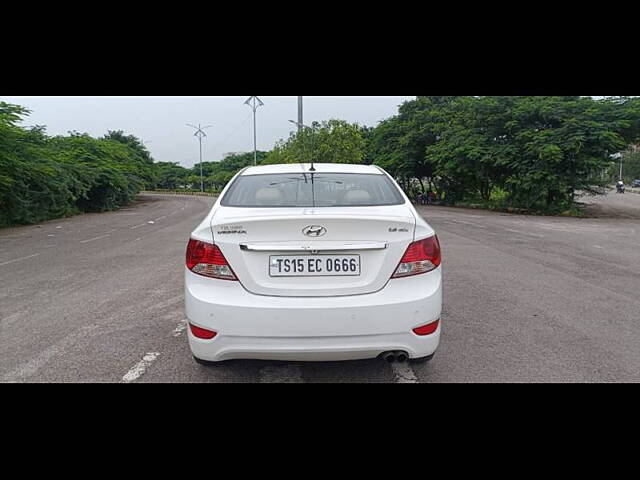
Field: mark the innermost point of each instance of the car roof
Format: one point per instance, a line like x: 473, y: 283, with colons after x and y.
x: 320, y: 168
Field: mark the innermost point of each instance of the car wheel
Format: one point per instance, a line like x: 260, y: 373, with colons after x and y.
x: 421, y: 359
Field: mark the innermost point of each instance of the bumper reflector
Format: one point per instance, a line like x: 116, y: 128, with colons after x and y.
x: 427, y: 329
x: 202, y: 333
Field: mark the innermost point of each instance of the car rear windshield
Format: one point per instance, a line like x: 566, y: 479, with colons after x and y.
x: 312, y: 190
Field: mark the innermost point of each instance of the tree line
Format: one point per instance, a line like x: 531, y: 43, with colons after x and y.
x: 531, y: 152
x: 334, y: 141
x: 44, y: 177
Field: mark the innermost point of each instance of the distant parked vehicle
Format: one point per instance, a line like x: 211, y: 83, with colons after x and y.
x: 636, y: 183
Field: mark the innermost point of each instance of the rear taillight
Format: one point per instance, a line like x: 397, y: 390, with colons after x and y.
x: 421, y: 257
x: 207, y: 260
x: 202, y: 333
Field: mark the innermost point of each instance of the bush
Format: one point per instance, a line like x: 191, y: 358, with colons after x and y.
x: 49, y: 177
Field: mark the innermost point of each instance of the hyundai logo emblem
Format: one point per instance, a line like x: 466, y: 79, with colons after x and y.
x: 314, y: 231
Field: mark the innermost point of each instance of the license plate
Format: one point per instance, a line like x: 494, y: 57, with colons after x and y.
x: 314, y: 266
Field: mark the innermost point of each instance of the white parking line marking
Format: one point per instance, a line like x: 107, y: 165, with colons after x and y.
x: 403, y: 373
x: 26, y: 370
x: 137, y: 226
x: 93, y: 239
x: 537, y: 235
x: 11, y: 318
x: 139, y: 368
x: 160, y: 218
x: 287, y: 373
x: 180, y: 328
x: 19, y: 259
x: 35, y: 364
x: 597, y: 246
x: 468, y: 223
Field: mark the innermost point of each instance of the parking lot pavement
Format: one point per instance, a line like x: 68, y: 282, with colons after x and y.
x: 98, y: 298
x: 614, y: 205
x: 539, y: 299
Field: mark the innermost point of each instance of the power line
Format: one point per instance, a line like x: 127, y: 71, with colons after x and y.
x: 223, y: 142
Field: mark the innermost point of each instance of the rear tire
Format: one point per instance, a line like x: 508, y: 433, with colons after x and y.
x: 421, y: 359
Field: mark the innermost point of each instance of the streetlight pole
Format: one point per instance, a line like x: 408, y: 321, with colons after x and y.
x: 254, y: 103
x: 300, y: 120
x: 201, y: 176
x: 313, y: 140
x: 200, y: 134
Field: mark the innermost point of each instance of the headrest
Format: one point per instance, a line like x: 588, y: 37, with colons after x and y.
x: 268, y: 196
x: 357, y: 197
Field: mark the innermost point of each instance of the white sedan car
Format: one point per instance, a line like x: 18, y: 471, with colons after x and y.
x: 312, y: 263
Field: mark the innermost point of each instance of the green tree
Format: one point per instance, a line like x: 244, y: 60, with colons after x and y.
x: 471, y: 146
x: 541, y: 150
x: 333, y: 141
x: 140, y: 162
x: 170, y: 175
x: 44, y: 177
x: 563, y: 144
x: 399, y: 143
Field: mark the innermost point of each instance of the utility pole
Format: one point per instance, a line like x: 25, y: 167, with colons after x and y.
x: 200, y: 134
x: 254, y: 103
x: 300, y: 119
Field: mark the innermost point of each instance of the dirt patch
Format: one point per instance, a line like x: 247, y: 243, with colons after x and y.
x: 143, y: 200
x: 613, y: 205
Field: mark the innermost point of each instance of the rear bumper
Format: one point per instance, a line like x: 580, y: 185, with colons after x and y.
x: 327, y: 328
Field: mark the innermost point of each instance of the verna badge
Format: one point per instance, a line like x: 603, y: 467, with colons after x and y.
x: 314, y: 231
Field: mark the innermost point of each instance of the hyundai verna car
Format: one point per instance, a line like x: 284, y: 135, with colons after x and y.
x: 311, y: 263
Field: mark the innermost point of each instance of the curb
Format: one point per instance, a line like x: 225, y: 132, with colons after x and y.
x: 190, y: 194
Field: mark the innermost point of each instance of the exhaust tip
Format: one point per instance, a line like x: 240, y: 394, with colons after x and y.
x: 401, y: 357
x: 388, y: 357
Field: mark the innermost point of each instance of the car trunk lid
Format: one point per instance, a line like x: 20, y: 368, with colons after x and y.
x: 254, y: 239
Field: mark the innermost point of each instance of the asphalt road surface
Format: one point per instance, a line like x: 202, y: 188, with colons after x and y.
x: 99, y: 298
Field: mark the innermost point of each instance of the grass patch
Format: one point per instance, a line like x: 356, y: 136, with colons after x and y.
x: 499, y: 202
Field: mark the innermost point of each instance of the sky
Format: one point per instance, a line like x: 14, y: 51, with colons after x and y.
x: 161, y: 121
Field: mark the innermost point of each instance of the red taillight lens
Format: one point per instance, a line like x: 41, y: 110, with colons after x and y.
x: 202, y: 332
x: 207, y: 260
x: 421, y: 257
x: 427, y: 329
